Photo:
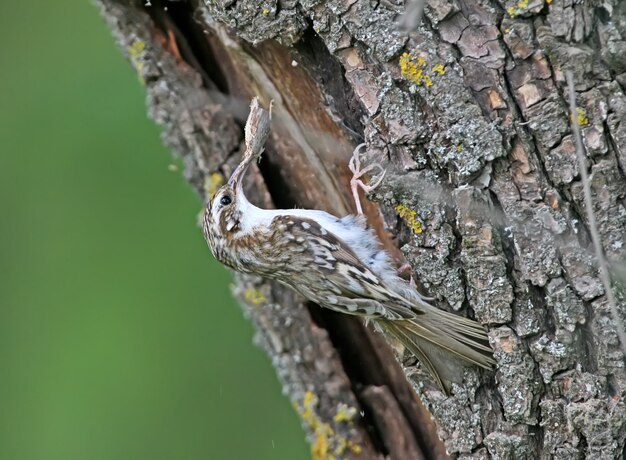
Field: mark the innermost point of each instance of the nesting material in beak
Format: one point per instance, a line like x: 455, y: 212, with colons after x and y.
x: 256, y: 133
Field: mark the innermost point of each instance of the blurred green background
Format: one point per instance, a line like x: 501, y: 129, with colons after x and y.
x: 118, y: 336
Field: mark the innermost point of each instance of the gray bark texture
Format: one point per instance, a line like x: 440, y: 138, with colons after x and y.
x: 468, y: 112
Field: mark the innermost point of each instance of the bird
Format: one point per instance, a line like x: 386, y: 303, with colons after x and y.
x: 339, y: 264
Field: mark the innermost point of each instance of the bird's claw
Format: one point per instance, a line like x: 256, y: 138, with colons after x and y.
x: 355, y: 167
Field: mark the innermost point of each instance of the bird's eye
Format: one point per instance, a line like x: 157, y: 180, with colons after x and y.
x: 226, y: 200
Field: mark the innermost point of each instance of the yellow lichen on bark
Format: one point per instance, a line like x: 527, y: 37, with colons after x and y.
x: 410, y: 217
x: 327, y: 444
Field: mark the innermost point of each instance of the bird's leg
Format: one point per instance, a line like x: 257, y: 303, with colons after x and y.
x: 355, y: 166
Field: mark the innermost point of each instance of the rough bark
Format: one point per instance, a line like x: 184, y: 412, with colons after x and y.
x: 482, y: 196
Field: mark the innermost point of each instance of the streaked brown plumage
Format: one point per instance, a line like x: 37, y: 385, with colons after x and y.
x: 338, y: 263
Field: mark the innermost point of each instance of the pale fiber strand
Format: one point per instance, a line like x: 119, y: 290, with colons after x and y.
x: 593, y: 226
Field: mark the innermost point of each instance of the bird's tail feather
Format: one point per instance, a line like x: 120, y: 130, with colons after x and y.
x: 442, y: 342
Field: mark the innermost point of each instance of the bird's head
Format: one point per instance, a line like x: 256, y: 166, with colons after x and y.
x: 223, y: 214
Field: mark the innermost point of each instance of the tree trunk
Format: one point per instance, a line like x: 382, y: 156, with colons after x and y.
x: 468, y: 112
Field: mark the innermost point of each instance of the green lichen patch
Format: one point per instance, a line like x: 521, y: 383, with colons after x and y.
x: 137, y: 54
x: 254, y: 296
x: 519, y: 8
x: 581, y: 117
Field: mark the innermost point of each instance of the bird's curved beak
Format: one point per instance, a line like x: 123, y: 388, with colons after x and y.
x: 236, y: 178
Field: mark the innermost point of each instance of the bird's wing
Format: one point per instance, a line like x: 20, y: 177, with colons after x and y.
x: 345, y: 282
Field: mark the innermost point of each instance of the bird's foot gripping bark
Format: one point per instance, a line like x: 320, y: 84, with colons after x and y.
x: 358, y: 173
